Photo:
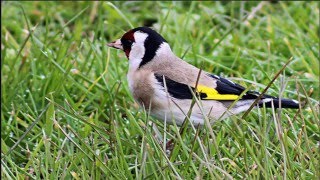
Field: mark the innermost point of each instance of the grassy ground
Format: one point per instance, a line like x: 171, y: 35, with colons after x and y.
x: 66, y: 111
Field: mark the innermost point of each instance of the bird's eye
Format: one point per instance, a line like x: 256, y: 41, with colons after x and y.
x: 127, y: 43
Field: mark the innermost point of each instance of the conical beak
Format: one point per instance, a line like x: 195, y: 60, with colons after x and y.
x: 116, y: 44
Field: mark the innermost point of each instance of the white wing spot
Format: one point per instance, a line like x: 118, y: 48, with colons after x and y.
x: 229, y: 81
x: 215, y: 76
x: 267, y: 100
x: 295, y: 101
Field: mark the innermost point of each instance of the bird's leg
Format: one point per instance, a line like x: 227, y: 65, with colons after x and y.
x: 170, y: 145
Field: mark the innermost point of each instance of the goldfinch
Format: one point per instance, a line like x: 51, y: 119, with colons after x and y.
x: 164, y: 84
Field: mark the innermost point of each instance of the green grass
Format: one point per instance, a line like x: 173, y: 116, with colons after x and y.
x: 66, y: 110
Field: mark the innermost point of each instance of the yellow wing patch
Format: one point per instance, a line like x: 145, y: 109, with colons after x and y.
x: 214, y: 94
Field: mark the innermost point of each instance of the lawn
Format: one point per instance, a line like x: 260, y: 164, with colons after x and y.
x: 67, y: 113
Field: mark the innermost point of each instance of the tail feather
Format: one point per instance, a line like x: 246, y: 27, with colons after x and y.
x: 284, y: 103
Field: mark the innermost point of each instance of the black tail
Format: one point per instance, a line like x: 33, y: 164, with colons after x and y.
x: 285, y: 103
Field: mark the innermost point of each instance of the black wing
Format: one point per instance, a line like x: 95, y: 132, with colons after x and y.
x: 225, y: 86
x: 176, y: 89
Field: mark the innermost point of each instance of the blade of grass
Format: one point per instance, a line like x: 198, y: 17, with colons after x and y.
x: 120, y: 13
x: 28, y: 129
x: 265, y: 90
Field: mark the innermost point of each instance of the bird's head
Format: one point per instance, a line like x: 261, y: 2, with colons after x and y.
x: 140, y: 45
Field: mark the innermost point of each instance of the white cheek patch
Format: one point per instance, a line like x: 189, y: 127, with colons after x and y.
x: 137, y: 50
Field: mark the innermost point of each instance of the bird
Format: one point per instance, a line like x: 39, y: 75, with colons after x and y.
x: 165, y: 85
